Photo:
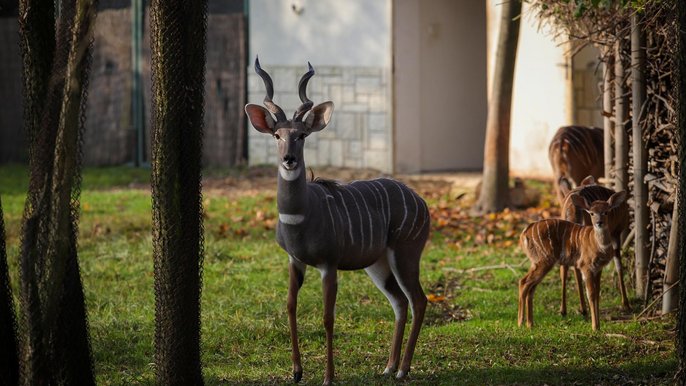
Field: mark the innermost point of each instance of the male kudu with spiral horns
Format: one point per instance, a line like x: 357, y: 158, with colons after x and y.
x: 378, y: 225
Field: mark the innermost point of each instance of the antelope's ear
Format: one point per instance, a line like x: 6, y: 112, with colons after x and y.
x: 616, y: 199
x: 590, y: 180
x: 260, y: 118
x: 319, y: 117
x: 564, y: 185
x: 580, y: 201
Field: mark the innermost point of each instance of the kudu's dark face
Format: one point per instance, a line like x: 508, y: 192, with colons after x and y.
x: 289, y: 133
x: 290, y: 142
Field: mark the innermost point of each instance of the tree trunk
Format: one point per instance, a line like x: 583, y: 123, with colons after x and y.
x: 681, y: 127
x: 9, y: 364
x: 178, y: 38
x: 494, y: 187
x: 670, y: 287
x: 608, y: 123
x: 638, y: 94
x: 56, y: 66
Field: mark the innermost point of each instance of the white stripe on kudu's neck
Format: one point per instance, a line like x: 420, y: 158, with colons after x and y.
x: 291, y: 219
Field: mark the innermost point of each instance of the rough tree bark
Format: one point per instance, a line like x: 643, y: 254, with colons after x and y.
x: 681, y: 127
x: 178, y: 38
x: 56, y: 67
x: 670, y: 286
x: 608, y: 123
x: 494, y: 186
x: 9, y: 364
x: 638, y: 95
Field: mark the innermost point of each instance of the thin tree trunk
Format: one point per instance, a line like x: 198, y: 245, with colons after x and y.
x: 178, y: 37
x: 681, y: 127
x: 608, y: 123
x: 55, y: 324
x: 638, y: 94
x: 9, y: 364
x: 494, y: 187
x: 670, y: 298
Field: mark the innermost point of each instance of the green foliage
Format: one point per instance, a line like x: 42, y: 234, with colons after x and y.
x: 470, y: 337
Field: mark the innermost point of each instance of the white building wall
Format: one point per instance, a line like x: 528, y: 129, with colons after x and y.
x: 540, y: 95
x: 348, y: 43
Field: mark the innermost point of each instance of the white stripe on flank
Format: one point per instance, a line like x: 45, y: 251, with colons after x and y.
x: 404, y: 205
x: 380, y: 200
x: 290, y: 175
x: 416, y: 212
x: 388, y: 205
x: 350, y: 225
x: 371, y: 226
x: 359, y: 212
x: 291, y: 219
x: 328, y: 205
x: 419, y: 229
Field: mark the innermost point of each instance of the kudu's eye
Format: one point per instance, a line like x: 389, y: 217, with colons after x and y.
x: 276, y: 137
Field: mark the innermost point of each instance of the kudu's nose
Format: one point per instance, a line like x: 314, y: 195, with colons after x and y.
x: 289, y: 162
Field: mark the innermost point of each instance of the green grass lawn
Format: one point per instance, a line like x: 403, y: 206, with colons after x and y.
x: 470, y: 334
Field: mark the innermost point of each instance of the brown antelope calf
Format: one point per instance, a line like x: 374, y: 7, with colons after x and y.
x: 587, y: 248
x: 618, y: 222
x: 379, y: 225
x: 574, y: 153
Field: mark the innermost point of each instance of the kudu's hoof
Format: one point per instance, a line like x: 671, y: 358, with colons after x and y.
x: 388, y: 371
x: 401, y: 374
x: 297, y: 376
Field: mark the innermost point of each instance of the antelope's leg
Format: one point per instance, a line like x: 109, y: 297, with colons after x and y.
x: 383, y: 278
x: 580, y: 289
x: 404, y: 263
x: 535, y: 276
x: 620, y: 272
x: 523, y: 290
x: 296, y: 273
x: 591, y: 292
x: 563, y: 279
x: 330, y: 288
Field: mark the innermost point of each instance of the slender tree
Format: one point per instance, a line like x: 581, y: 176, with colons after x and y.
x: 56, y: 66
x: 9, y: 364
x: 681, y: 127
x: 494, y: 187
x: 178, y: 33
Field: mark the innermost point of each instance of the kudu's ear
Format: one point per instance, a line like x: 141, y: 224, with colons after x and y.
x: 260, y: 118
x: 564, y: 185
x: 319, y: 117
x: 580, y: 201
x: 590, y: 180
x: 616, y: 199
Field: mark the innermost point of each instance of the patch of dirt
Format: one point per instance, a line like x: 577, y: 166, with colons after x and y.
x: 442, y: 309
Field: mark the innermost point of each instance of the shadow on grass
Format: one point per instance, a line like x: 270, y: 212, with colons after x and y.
x: 653, y: 374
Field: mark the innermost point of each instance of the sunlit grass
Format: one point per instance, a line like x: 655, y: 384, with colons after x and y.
x: 245, y: 327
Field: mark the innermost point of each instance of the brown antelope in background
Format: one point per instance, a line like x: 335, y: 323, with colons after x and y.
x: 618, y: 222
x: 380, y: 226
x: 574, y: 153
x: 556, y: 241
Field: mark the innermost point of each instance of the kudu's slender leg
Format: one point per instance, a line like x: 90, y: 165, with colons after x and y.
x: 330, y: 288
x: 592, y: 289
x: 580, y: 290
x: 404, y: 263
x: 383, y: 278
x: 620, y: 272
x: 296, y: 273
x: 563, y: 279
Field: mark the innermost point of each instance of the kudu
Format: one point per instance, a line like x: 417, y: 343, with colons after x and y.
x: 574, y: 153
x: 379, y: 225
x: 587, y: 248
x: 618, y: 222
